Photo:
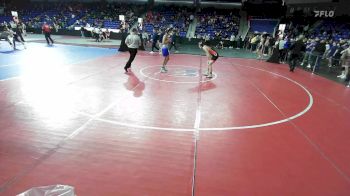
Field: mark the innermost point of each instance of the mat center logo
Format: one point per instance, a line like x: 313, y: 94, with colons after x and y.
x: 183, y: 73
x: 179, y: 74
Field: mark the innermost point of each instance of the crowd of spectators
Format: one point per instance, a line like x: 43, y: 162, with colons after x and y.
x: 178, y: 18
x: 69, y: 15
x: 325, y: 44
x: 217, y: 24
x: 94, y: 16
x: 61, y: 15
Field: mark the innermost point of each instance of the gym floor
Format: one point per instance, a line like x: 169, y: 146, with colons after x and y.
x: 70, y: 115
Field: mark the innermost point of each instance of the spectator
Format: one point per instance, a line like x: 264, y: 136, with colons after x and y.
x: 345, y: 62
x: 232, y: 40
x: 282, y: 51
x: 46, y: 29
x: 296, y: 50
x: 331, y: 53
x: 307, y: 56
x: 317, y: 53
x: 154, y: 40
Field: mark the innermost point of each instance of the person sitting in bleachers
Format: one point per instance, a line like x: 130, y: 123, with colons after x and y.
x: 98, y: 34
x: 7, y: 35
x: 106, y: 34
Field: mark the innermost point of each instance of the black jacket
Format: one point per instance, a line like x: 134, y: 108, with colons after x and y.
x: 320, y: 48
x: 297, y: 48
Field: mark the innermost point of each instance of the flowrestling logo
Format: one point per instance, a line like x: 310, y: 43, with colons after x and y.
x: 324, y: 13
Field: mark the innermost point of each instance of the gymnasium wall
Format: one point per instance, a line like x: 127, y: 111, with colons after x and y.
x: 340, y: 7
x: 290, y: 2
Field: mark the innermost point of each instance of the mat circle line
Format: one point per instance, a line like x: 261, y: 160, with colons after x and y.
x: 171, y: 81
x: 311, y: 101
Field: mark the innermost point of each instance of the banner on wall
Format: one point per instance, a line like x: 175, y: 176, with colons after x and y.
x: 282, y: 27
x: 121, y: 17
x: 14, y: 14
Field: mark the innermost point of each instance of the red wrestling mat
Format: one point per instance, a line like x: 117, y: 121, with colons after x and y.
x: 253, y: 129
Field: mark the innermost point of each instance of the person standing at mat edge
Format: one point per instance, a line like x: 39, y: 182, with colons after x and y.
x: 165, y: 49
x: 47, y: 31
x: 133, y: 42
x: 212, y: 57
x: 296, y: 53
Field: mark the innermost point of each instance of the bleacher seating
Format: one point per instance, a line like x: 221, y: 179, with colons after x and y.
x: 166, y: 17
x: 71, y: 15
x: 216, y: 25
x: 263, y: 25
x: 333, y: 30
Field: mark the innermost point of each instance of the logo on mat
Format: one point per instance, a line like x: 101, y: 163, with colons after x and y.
x: 185, y: 73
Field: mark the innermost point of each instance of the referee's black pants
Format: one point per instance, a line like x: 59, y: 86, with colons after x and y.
x: 15, y: 39
x: 154, y: 45
x: 19, y: 36
x: 293, y: 61
x: 133, y: 52
x: 171, y: 45
x: 48, y: 38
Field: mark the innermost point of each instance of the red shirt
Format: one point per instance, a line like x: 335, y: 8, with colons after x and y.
x: 46, y: 28
x: 213, y: 52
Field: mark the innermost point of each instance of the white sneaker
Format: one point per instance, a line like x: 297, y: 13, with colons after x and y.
x: 210, y: 76
x: 163, y: 70
x: 309, y: 66
x: 151, y: 52
x: 340, y: 76
x: 343, y: 77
